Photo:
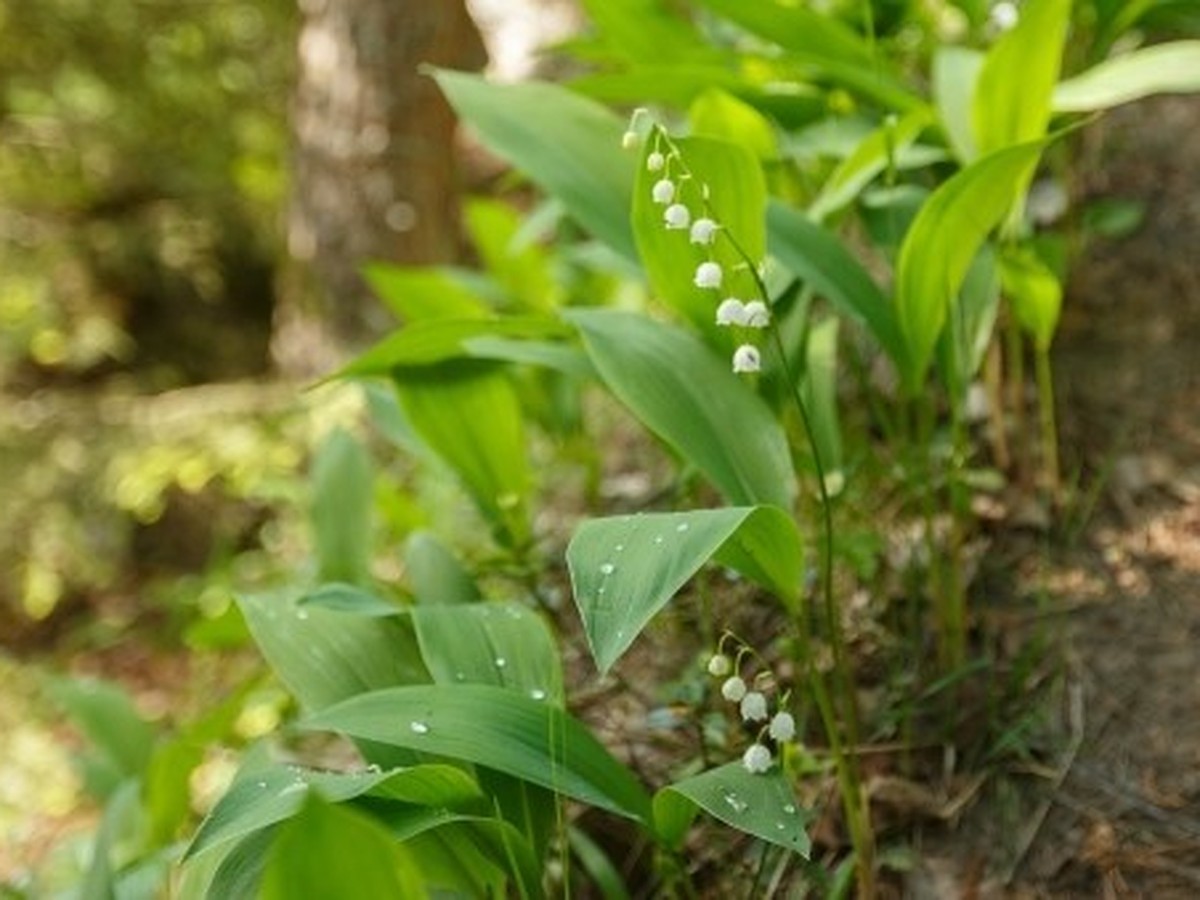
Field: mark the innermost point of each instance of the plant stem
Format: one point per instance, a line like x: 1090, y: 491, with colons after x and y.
x: 1049, y: 426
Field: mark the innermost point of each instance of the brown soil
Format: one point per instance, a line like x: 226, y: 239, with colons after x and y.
x: 1114, y: 810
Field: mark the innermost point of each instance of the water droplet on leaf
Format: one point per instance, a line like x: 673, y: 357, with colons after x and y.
x: 607, y: 569
x: 419, y: 728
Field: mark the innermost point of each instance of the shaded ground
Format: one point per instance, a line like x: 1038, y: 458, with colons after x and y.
x: 1116, y: 813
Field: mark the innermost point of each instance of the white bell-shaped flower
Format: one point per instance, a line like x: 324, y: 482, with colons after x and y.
x: 703, y: 231
x: 720, y: 665
x: 783, y: 727
x: 708, y: 275
x: 655, y: 161
x: 732, y: 311
x: 734, y: 689
x: 746, y: 359
x: 757, y: 314
x: 756, y: 759
x: 663, y: 191
x: 753, y: 707
x: 677, y: 216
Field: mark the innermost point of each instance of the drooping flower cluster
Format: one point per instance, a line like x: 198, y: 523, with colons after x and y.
x: 753, y: 708
x: 665, y: 160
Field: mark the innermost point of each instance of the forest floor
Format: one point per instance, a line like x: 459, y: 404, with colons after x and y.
x: 1117, y: 814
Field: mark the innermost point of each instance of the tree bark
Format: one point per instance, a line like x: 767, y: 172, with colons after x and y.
x: 374, y: 167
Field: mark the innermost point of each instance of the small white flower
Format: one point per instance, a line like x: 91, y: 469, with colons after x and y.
x: 732, y: 311
x: 703, y: 231
x: 734, y: 689
x: 783, y: 726
x: 753, y: 707
x: 757, y: 314
x: 756, y: 759
x: 629, y: 139
x: 719, y: 665
x: 708, y: 275
x: 677, y: 216
x: 746, y: 359
x: 663, y: 191
x: 1004, y: 15
x: 655, y: 161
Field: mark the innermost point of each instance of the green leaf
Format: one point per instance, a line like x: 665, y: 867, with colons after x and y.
x: 469, y: 415
x: 694, y: 402
x: 497, y: 728
x: 263, y: 796
x: 323, y: 656
x: 420, y: 293
x: 762, y: 805
x: 328, y: 851
x: 1012, y: 96
x: 944, y: 239
x: 434, y: 573
x: 119, y: 812
x: 1170, y: 68
x: 737, y: 197
x: 348, y: 598
x: 568, y: 145
x: 718, y: 114
x: 646, y: 31
x: 820, y: 394
x: 624, y: 570
x: 341, y: 510
x: 955, y: 75
x: 817, y: 256
x: 877, y: 152
x: 972, y: 320
x: 1034, y: 292
x: 522, y: 270
x: 502, y: 644
x: 436, y: 341
x: 820, y: 40
x: 106, y: 715
x: 568, y: 360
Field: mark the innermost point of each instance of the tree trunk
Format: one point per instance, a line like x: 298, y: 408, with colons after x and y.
x: 374, y: 167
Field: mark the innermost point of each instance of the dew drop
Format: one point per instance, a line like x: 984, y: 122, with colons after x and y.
x: 459, y: 676
x: 658, y: 539
x: 374, y: 769
x: 262, y: 784
x: 600, y: 590
x: 682, y: 526
x: 789, y: 809
x: 501, y: 662
x: 419, y: 728
x: 302, y: 614
x: 537, y: 694
x: 607, y: 569
x: 780, y: 826
x: 620, y: 548
x: 294, y: 787
x: 735, y: 802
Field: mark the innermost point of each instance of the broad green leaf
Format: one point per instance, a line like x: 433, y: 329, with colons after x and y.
x: 349, y: 598
x: 502, y: 644
x: 821, y: 41
x: 262, y: 796
x: 1170, y: 68
x: 819, y: 258
x: 106, y: 715
x: 323, y: 656
x: 166, y: 791
x: 122, y: 808
x: 497, y: 728
x: 762, y: 805
x: 972, y: 319
x: 1012, y: 96
x: 737, y: 197
x: 420, y: 293
x: 955, y: 74
x: 469, y: 415
x: 719, y: 114
x: 327, y: 852
x: 470, y: 856
x: 523, y: 271
x: 436, y: 341
x: 646, y: 31
x: 694, y: 402
x: 624, y: 570
x: 944, y: 239
x: 878, y: 151
x: 820, y: 395
x: 566, y: 144
x: 1034, y: 292
x: 435, y: 575
x: 600, y: 869
x: 343, y: 491
x: 679, y: 85
x: 561, y: 357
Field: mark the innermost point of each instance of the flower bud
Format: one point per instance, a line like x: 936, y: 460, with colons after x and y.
x: 629, y: 140
x: 655, y: 161
x: 663, y: 191
x: 719, y: 665
x: 677, y: 216
x: 746, y: 359
x: 703, y: 231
